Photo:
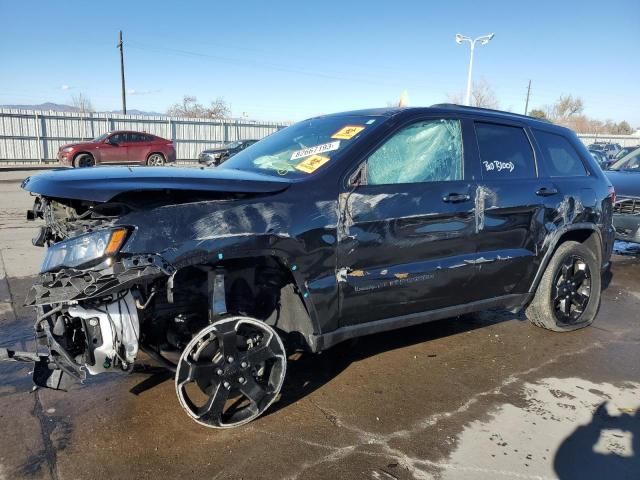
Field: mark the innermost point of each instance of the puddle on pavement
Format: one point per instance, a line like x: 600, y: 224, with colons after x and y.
x: 563, y: 428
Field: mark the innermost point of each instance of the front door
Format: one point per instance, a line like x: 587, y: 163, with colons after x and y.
x: 406, y: 233
x: 114, y: 149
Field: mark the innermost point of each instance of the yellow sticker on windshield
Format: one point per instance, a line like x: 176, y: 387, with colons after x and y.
x: 312, y: 163
x: 347, y: 132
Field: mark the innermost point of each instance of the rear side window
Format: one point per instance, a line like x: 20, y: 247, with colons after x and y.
x: 505, y: 152
x: 561, y: 159
x: 427, y: 151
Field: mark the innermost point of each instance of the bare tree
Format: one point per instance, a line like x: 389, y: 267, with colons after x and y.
x: 190, y: 108
x: 567, y: 111
x: 82, y: 103
x: 218, y: 109
x: 538, y: 113
x: 482, y: 95
x: 565, y: 107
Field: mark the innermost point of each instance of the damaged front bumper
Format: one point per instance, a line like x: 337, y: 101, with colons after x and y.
x: 88, y: 320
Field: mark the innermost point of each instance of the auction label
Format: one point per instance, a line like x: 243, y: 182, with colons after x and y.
x: 312, y: 163
x: 348, y: 132
x: 325, y: 147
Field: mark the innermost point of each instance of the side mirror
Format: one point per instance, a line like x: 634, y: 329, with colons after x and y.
x: 111, y: 141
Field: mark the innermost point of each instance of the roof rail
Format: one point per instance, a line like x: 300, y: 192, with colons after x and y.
x: 489, y: 110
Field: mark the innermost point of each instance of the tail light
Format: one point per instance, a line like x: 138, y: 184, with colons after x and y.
x: 612, y: 194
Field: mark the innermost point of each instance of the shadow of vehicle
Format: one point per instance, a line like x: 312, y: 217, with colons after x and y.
x: 578, y: 458
x: 307, y: 372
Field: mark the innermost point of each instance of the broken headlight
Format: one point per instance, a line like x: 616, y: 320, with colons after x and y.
x: 88, y: 248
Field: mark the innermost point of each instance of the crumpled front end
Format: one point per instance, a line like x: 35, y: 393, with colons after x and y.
x: 88, y: 297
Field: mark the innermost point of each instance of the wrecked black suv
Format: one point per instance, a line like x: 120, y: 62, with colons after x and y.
x: 333, y: 228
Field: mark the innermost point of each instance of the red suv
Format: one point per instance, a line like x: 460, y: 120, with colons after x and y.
x: 118, y: 147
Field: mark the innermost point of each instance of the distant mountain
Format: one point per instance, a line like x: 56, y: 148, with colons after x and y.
x: 58, y: 107
x: 137, y: 112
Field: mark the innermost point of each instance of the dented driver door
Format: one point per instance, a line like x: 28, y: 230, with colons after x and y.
x: 405, y: 241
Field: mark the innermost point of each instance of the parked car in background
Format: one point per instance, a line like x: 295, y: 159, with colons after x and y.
x: 611, y: 149
x: 215, y: 156
x: 625, y: 177
x: 601, y: 158
x: 120, y: 147
x: 625, y: 151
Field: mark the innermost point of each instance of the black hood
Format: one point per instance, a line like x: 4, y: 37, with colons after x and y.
x: 627, y: 184
x: 101, y: 184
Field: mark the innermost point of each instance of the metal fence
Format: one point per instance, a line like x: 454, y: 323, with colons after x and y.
x: 28, y: 136
x: 623, y: 140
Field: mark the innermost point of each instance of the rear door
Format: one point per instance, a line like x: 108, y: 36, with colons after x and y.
x: 509, y: 209
x: 138, y: 147
x: 405, y: 243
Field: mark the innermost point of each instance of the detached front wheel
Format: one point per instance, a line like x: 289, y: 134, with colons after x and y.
x: 231, y: 372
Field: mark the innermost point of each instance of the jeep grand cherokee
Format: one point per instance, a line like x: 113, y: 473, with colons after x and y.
x: 333, y: 228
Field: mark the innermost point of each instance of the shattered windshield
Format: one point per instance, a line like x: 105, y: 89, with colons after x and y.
x: 302, y: 149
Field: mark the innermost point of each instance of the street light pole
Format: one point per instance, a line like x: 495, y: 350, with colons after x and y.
x: 467, y: 98
x: 484, y: 39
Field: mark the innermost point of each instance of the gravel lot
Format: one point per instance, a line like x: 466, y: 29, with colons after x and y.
x: 484, y: 396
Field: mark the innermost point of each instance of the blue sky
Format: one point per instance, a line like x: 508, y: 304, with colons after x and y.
x: 287, y: 60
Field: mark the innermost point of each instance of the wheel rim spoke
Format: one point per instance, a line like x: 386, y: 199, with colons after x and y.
x: 579, y: 277
x: 260, y: 354
x: 228, y: 340
x: 214, y: 407
x: 254, y: 392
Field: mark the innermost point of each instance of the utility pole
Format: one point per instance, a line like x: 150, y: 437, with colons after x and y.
x: 526, y: 105
x: 124, y: 94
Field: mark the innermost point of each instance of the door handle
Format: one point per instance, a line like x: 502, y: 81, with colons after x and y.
x: 546, y: 191
x: 456, y: 198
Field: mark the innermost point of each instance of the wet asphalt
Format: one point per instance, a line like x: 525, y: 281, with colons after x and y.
x: 482, y: 396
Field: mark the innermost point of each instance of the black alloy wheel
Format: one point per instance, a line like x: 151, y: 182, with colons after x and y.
x: 231, y: 372
x: 572, y: 290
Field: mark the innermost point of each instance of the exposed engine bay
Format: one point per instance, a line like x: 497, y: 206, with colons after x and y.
x: 97, y: 309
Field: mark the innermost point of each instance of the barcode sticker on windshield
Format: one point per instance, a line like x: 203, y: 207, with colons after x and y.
x: 325, y: 147
x: 348, y: 132
x: 311, y: 164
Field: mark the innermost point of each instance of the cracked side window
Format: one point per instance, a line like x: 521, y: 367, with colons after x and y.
x: 427, y: 151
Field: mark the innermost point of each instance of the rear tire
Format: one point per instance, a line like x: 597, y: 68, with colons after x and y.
x: 156, y: 160
x: 83, y: 160
x: 568, y: 296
